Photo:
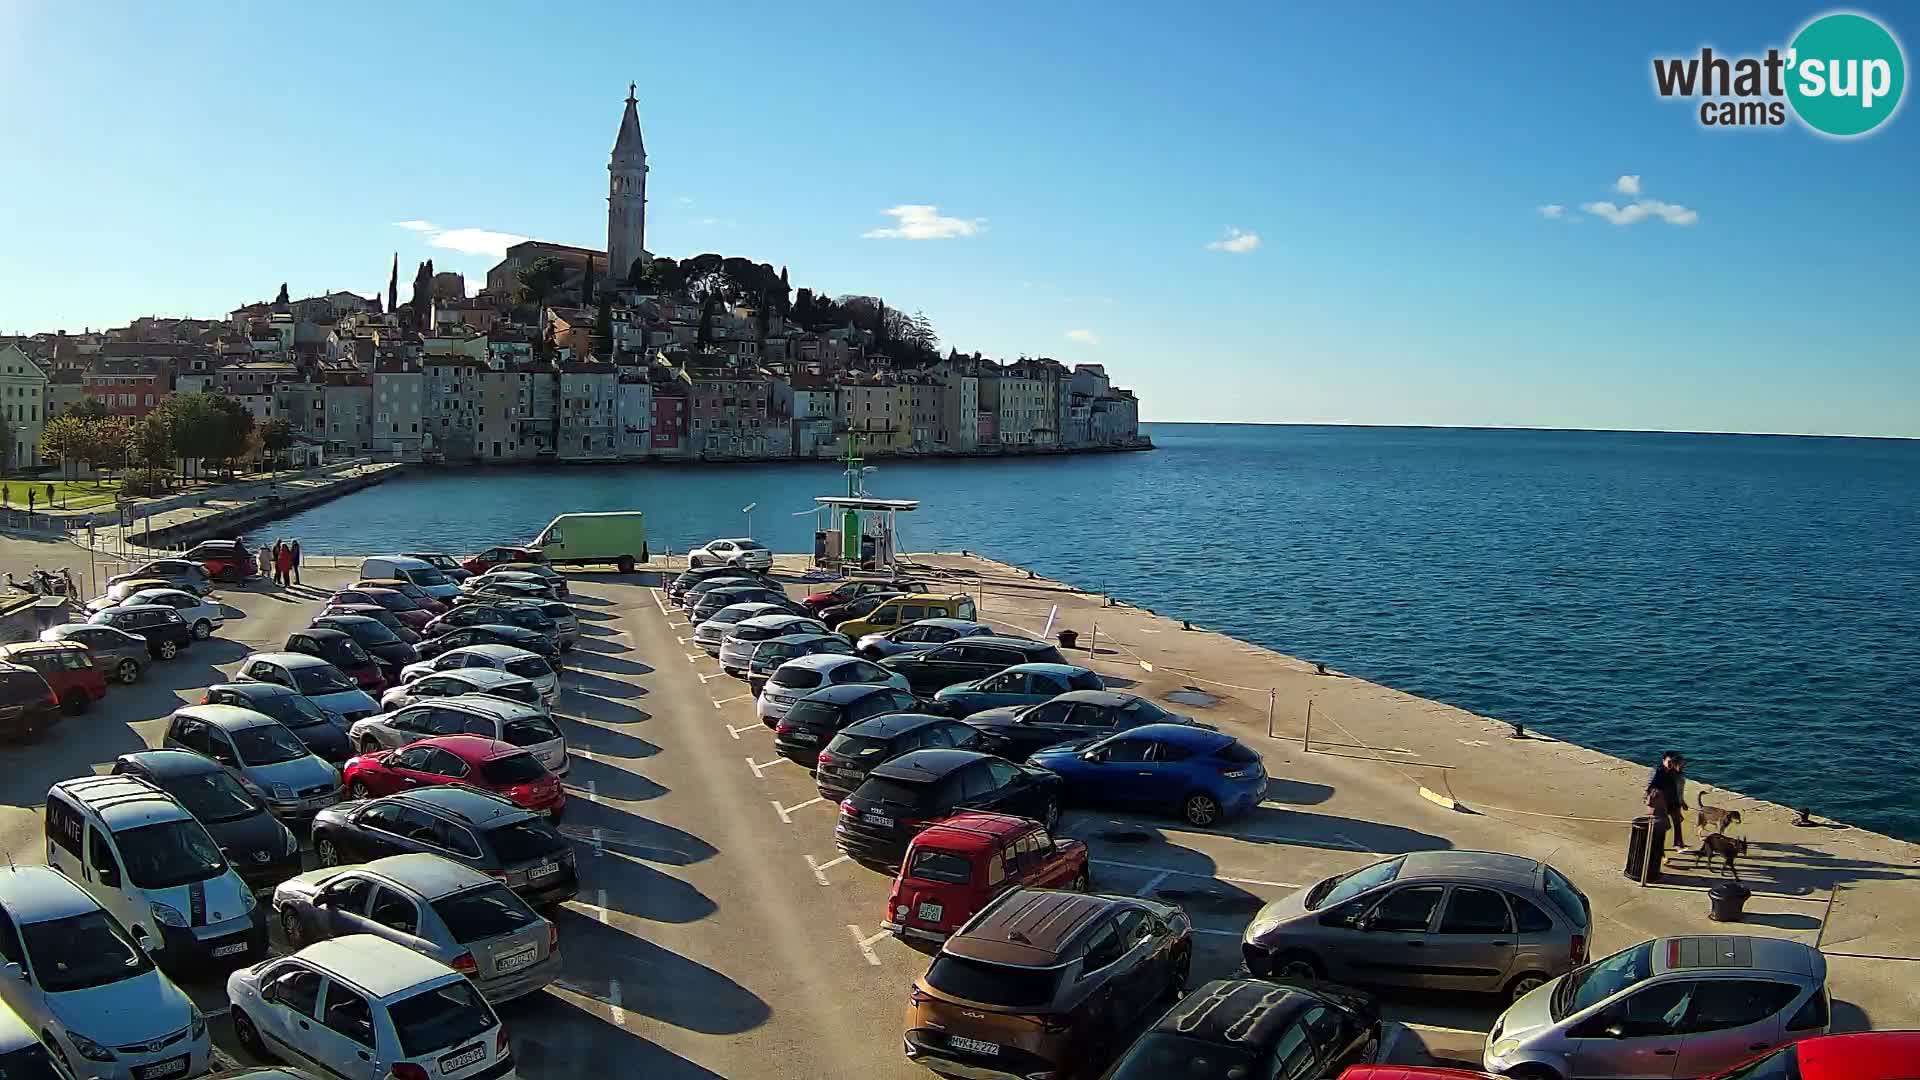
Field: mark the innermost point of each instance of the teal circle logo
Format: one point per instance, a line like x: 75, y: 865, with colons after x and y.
x: 1845, y: 74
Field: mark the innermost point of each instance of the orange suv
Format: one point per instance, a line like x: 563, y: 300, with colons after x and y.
x: 1046, y: 984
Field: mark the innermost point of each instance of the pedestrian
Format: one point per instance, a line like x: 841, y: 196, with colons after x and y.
x: 1666, y: 794
x: 295, y: 549
x: 282, y: 563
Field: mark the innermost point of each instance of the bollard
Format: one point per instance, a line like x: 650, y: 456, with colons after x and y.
x: 1270, y: 700
x: 1306, y: 737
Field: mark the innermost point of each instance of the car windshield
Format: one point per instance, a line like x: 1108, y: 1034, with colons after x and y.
x: 525, y: 840
x: 771, y: 655
x: 1087, y: 680
x: 321, y: 680
x: 529, y: 730
x: 439, y: 1019
x: 758, y: 633
x: 372, y: 633
x: 1163, y: 1054
x: 350, y: 651
x: 30, y: 1062
x: 81, y: 951
x: 518, y: 690
x: 993, y: 984
x: 1782, y: 1064
x: 796, y: 678
x: 815, y: 714
x: 482, y: 913
x: 1565, y: 896
x: 528, y: 667
x: 290, y: 709
x: 930, y: 864
x: 1587, y: 986
x: 1144, y: 711
x: 212, y: 797
x: 267, y: 744
x: 513, y: 769
x: 1341, y: 889
x: 1238, y: 754
x: 169, y: 854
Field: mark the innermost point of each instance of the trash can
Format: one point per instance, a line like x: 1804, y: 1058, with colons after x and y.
x: 1729, y: 900
x: 1644, y: 842
x: 1068, y: 638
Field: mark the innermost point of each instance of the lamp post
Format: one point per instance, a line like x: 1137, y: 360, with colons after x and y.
x: 748, y: 510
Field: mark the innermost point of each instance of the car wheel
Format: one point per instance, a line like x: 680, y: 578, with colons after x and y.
x: 1083, y: 882
x: 1370, y: 1051
x: 202, y: 630
x: 1200, y: 809
x: 325, y: 853
x: 626, y: 564
x: 1298, y: 965
x: 59, y: 1055
x: 1177, y: 978
x: 249, y: 1036
x: 128, y: 672
x: 358, y: 790
x: 292, y: 926
x: 1522, y: 985
x: 169, y: 650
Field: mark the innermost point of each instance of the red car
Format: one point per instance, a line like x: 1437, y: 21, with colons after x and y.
x: 1863, y: 1055
x: 405, y: 588
x: 224, y: 560
x: 68, y: 668
x: 403, y: 608
x: 955, y: 866
x: 494, y: 556
x: 474, y: 760
x: 849, y: 591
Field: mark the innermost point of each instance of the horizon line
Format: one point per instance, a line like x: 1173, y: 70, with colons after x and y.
x: 1530, y: 427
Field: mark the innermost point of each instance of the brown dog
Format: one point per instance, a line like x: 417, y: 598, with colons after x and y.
x: 1713, y: 819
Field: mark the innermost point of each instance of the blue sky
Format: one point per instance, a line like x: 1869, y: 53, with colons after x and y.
x: 1390, y: 159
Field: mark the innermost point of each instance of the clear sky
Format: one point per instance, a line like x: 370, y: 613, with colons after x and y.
x: 1248, y: 212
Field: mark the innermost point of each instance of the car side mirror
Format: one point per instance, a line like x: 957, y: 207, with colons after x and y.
x: 1614, y: 1031
x: 13, y: 970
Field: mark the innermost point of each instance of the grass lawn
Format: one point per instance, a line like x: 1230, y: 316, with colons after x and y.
x: 67, y: 494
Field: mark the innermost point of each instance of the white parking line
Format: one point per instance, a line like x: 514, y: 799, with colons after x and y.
x: 1189, y: 873
x: 599, y: 846
x: 586, y: 755
x: 601, y: 910
x: 613, y: 1002
x: 1217, y: 933
x: 659, y: 603
x: 1438, y: 1030
x: 760, y: 767
x: 725, y: 700
x: 1154, y: 882
x: 786, y: 812
x: 866, y: 944
x: 820, y: 868
x: 735, y: 731
x: 675, y: 625
x: 695, y: 657
x: 680, y: 639
x: 709, y: 677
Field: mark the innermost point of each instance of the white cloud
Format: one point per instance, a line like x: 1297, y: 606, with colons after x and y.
x: 1237, y: 240
x: 1641, y: 210
x: 416, y: 225
x: 915, y: 221
x: 1628, y: 185
x: 467, y: 241
x: 685, y: 200
x: 1553, y: 210
x: 1084, y: 337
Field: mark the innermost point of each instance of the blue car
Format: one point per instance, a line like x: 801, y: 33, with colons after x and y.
x: 1021, y: 684
x: 1206, y: 776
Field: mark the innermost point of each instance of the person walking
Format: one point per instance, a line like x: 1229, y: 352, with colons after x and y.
x: 294, y: 552
x: 282, y: 563
x: 1666, y: 795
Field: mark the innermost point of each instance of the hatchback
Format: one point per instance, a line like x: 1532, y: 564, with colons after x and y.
x: 770, y: 654
x: 403, y: 608
x: 1229, y: 1029
x: 535, y: 569
x: 224, y: 560
x: 843, y: 764
x: 725, y: 599
x: 566, y: 622
x: 1019, y: 685
x: 1681, y: 1006
x: 498, y: 580
x: 163, y: 628
x: 1859, y: 1055
x: 508, y: 658
x: 488, y: 764
x: 957, y: 866
x: 522, y: 613
x: 911, y: 792
x: 733, y: 551
x: 387, y: 648
x: 264, y: 756
x: 421, y: 597
x: 182, y: 573
x: 28, y: 706
x: 1205, y: 776
x: 442, y: 562
x: 494, y: 556
x: 203, y: 615
x: 799, y: 677
x: 818, y: 717
x: 460, y: 917
x: 1045, y: 983
x: 486, y: 681
x: 678, y: 588
x: 968, y: 659
x: 67, y: 667
x: 339, y: 648
x: 497, y: 589
x: 711, y: 633
x: 849, y: 591
x: 515, y: 721
x: 122, y: 654
x: 472, y: 827
x: 518, y: 637
x: 1442, y: 920
x: 324, y: 732
x: 362, y: 1006
x: 1075, y: 715
x: 262, y: 850
x: 320, y: 682
x: 378, y: 614
x: 743, y: 638
x: 918, y: 637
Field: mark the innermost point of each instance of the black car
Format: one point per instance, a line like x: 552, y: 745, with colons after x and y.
x: 525, y: 614
x: 1069, y: 717
x: 28, y: 706
x: 380, y: 615
x: 717, y: 599
x: 1249, y: 1027
x: 815, y: 719
x: 912, y: 791
x: 475, y: 828
x: 491, y: 634
x: 258, y: 847
x: 382, y: 644
x: 853, y: 609
x: 166, y: 632
x: 321, y: 732
x: 739, y: 579
x: 336, y: 647
x: 844, y: 763
x: 933, y: 670
x: 678, y: 588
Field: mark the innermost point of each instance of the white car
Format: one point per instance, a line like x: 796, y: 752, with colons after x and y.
x: 315, y: 679
x: 361, y: 1006
x: 203, y: 613
x: 462, y: 680
x: 712, y: 631
x: 515, y: 723
x: 742, y: 638
x: 72, y: 971
x: 799, y: 677
x: 22, y: 1054
x: 746, y: 553
x: 529, y: 666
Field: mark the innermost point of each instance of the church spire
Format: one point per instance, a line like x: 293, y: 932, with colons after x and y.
x: 628, y: 146
x: 627, y: 196
x: 393, y: 285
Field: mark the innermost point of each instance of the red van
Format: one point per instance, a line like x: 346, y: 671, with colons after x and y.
x: 68, y: 668
x: 953, y: 867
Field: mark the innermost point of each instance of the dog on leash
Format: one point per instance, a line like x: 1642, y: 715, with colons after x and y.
x: 1713, y: 819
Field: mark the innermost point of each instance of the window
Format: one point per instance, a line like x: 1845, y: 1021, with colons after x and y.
x: 1475, y: 911
x: 1126, y: 750
x: 456, y: 839
x: 1406, y: 911
x: 1720, y: 1004
x: 1813, y: 1015
x: 298, y: 989
x: 347, y: 1013
x: 100, y: 857
x: 1653, y: 1011
x: 1132, y: 927
x: 1528, y: 918
x: 996, y: 868
x: 1103, y: 949
x: 416, y: 758
x: 385, y: 817
x: 1003, y: 774
x: 392, y: 910
x: 350, y: 895
x: 63, y: 826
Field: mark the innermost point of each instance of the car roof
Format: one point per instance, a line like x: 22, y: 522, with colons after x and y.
x: 492, y: 649
x: 845, y: 693
x: 227, y: 717
x: 161, y: 590
x: 172, y: 763
x: 479, y: 676
x: 471, y: 748
x: 343, y: 616
x: 797, y: 639
x: 1028, y: 927
x: 497, y: 708
x: 125, y: 608
x: 892, y: 724
x: 1066, y: 671
x: 472, y: 804
x: 1859, y: 1055
x: 971, y: 831
x: 33, y: 894
x: 18, y: 647
x: 1734, y: 952
x: 956, y: 624
x: 428, y: 875
x: 505, y: 630
x: 776, y: 619
x: 1187, y: 735
x: 1512, y: 870
x: 741, y: 612
x: 1106, y: 699
x: 925, y: 766
x: 123, y: 802
x: 1024, y: 644
x: 405, y: 561
x: 326, y: 633
x: 822, y: 661
x: 288, y: 659
x: 1246, y: 1012
x: 376, y: 966
x: 252, y: 690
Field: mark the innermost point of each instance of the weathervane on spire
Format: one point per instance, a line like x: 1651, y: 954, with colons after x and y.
x: 630, y: 89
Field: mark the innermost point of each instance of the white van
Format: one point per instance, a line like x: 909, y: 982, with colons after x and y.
x: 153, y: 866
x: 407, y: 568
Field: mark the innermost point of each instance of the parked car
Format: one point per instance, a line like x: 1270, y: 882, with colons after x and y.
x: 495, y: 589
x: 1046, y: 983
x: 956, y: 867
x: 122, y: 654
x: 918, y: 637
x: 740, y: 551
x: 324, y: 732
x: 1858, y: 1055
x: 843, y: 763
x: 67, y: 667
x: 518, y: 637
x: 74, y: 974
x: 687, y: 579
x: 969, y: 659
x: 711, y: 632
x: 490, y: 682
x: 22, y: 1053
x: 166, y: 633
x: 114, y: 594
x: 1229, y: 1029
x: 494, y: 556
x: 419, y: 573
x: 1410, y: 1072
x: 320, y: 682
x: 801, y: 676
x: 718, y: 578
x: 443, y: 562
x: 566, y: 624
x: 909, y: 608
x: 814, y: 720
x: 378, y: 614
x: 1203, y: 775
x: 180, y: 573
x: 441, y: 909
x: 715, y: 601
x: 471, y: 760
x: 522, y: 613
x: 770, y: 654
x: 548, y: 588
x: 339, y: 648
x: 259, y: 847
x: 508, y: 658
x: 914, y: 790
x: 1693, y: 1005
x: 385, y: 646
x: 421, y: 598
x: 854, y: 589
x: 28, y: 706
x: 1019, y: 685
x: 261, y: 753
x: 542, y: 570
x: 202, y: 614
x: 1481, y: 920
x: 516, y: 723
x: 402, y: 607
x: 611, y: 536
x: 383, y: 1002
x: 1074, y: 715
x: 743, y: 638
x: 224, y: 560
x: 472, y: 827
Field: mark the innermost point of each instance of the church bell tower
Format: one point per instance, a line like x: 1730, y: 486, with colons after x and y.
x: 627, y: 195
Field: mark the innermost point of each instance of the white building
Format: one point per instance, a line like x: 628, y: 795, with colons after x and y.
x: 23, y: 407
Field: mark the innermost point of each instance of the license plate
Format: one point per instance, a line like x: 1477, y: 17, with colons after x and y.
x: 230, y: 950
x: 929, y: 912
x: 458, y: 1061
x: 546, y: 870
x: 515, y: 961
x: 803, y: 736
x: 877, y: 819
x: 974, y: 1046
x: 170, y: 1067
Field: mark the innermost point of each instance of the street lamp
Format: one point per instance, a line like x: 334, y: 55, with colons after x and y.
x: 748, y: 510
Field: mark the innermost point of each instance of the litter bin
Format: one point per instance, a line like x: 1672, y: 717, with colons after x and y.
x: 1068, y: 638
x: 1644, y: 842
x: 1729, y: 900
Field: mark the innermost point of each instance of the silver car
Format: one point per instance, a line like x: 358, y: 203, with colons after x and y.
x: 268, y: 760
x: 465, y: 680
x: 203, y: 614
x: 322, y: 683
x: 120, y: 654
x: 710, y: 633
x: 516, y: 723
x: 530, y: 666
x: 1683, y: 1006
x: 566, y: 624
x: 737, y: 645
x: 1443, y: 920
x: 803, y: 675
x: 434, y: 906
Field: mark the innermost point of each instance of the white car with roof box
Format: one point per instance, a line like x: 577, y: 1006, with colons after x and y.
x: 363, y: 1007
x: 801, y: 676
x: 530, y: 666
x: 71, y: 971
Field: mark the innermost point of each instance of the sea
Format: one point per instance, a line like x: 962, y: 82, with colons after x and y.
x: 1751, y: 600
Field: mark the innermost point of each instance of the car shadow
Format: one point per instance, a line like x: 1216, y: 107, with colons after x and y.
x: 674, y: 989
x: 582, y: 706
x: 609, y: 782
x: 595, y: 660
x: 1782, y: 920
x: 606, y: 742
x: 1265, y: 825
x: 71, y: 748
x: 644, y: 892
x: 594, y: 630
x: 555, y: 1037
x: 577, y: 678
x: 593, y: 644
x: 1296, y: 792
x: 593, y: 616
x: 629, y: 834
x: 578, y: 598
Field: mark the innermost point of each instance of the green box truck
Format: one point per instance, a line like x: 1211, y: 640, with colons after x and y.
x: 618, y: 537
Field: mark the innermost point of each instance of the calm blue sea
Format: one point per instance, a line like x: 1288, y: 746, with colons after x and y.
x: 1751, y: 599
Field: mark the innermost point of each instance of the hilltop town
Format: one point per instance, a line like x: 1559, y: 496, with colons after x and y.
x: 573, y: 354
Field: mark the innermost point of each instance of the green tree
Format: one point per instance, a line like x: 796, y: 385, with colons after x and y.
x: 540, y: 282
x: 67, y: 439
x: 281, y: 299
x: 276, y: 436
x: 603, y: 328
x: 232, y: 435
x: 150, y: 445
x: 662, y: 275
x: 86, y: 408
x: 706, y: 316
x: 587, y: 285
x: 803, y: 308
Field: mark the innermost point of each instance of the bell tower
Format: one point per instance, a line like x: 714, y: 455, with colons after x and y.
x: 626, y: 195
